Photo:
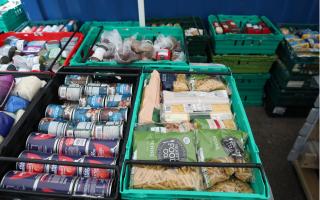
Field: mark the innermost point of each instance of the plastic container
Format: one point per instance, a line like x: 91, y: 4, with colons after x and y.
x: 83, y: 53
x: 251, y: 81
x: 87, y: 25
x: 40, y: 23
x: 296, y: 64
x: 12, y: 18
x: 287, y: 80
x: 244, y: 43
x: 246, y: 63
x: 46, y: 37
x: 16, y: 142
x: 252, y: 97
x: 260, y: 185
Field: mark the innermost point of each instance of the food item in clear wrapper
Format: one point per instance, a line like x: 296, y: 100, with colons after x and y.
x: 165, y: 178
x: 221, y: 145
x: 244, y: 174
x: 232, y: 185
x: 167, y: 127
x: 165, y: 42
x: 215, y: 124
x: 124, y: 53
x: 206, y: 83
x: 173, y: 146
x: 181, y: 83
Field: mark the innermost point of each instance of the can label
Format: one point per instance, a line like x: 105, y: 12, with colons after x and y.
x: 16, y: 180
x: 72, y: 146
x: 54, y: 127
x: 63, y: 169
x: 54, y: 111
x: 108, y: 130
x: 98, y: 172
x: 51, y: 183
x: 83, y: 129
x: 117, y: 100
x: 86, y: 115
x: 92, y: 101
x: 32, y: 167
x: 113, y: 114
x: 102, y: 148
x: 70, y: 92
x: 93, y: 187
x: 76, y: 79
x: 123, y: 88
x: 45, y: 143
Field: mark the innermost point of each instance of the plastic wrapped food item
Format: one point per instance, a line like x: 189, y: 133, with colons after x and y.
x: 163, y: 42
x: 232, y: 185
x: 244, y: 174
x: 215, y: 124
x: 173, y: 146
x: 165, y: 178
x: 206, y: 83
x: 124, y: 53
x: 181, y: 83
x: 113, y: 37
x: 167, y: 127
x: 220, y: 145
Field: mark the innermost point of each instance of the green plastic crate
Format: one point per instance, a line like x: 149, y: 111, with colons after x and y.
x: 252, y: 97
x: 244, y: 43
x: 198, y: 58
x: 298, y: 97
x: 196, y: 44
x: 12, y: 18
x: 87, y: 25
x: 3, y: 2
x: 288, y: 80
x: 246, y: 63
x: 251, y: 81
x: 295, y: 64
x: 262, y: 189
x: 40, y: 23
x: 143, y: 33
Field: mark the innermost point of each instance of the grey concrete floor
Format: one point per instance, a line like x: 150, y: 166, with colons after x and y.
x: 275, y: 137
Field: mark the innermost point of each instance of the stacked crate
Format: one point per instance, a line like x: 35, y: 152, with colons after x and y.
x: 250, y: 56
x: 293, y: 86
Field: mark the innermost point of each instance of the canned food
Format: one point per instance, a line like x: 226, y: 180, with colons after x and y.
x: 82, y: 130
x: 77, y: 79
x: 64, y: 169
x: 59, y: 111
x: 54, y: 127
x: 16, y: 180
x: 85, y: 115
x: 50, y: 183
x: 93, y: 187
x: 100, y: 101
x: 118, y: 100
x: 32, y: 167
x: 113, y: 114
x: 70, y: 92
x: 72, y: 146
x: 96, y: 101
x: 123, y: 88
x: 107, y: 130
x: 45, y: 143
x: 107, y: 89
x: 102, y: 148
x: 100, y: 173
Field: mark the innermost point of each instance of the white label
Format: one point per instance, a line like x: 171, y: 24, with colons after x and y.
x: 295, y: 84
x: 79, y: 142
x: 53, y: 127
x: 116, y: 97
x: 279, y: 110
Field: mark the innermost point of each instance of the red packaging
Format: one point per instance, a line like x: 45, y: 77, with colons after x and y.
x: 163, y: 54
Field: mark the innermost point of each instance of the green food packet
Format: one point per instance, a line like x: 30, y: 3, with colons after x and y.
x: 220, y: 143
x: 171, y: 146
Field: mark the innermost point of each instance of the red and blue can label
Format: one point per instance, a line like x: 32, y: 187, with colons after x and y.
x: 100, y: 173
x: 32, y: 167
x: 102, y: 148
x: 16, y: 180
x: 64, y: 169
x: 93, y: 187
x: 50, y: 183
x: 45, y: 143
x: 72, y: 146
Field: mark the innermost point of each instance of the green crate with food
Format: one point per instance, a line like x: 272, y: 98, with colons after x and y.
x: 246, y: 63
x: 199, y: 121
x: 288, y: 80
x: 243, y: 34
x: 131, y: 46
x: 300, y: 49
x: 11, y: 16
x: 251, y: 81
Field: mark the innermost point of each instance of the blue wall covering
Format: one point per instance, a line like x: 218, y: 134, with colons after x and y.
x: 289, y: 11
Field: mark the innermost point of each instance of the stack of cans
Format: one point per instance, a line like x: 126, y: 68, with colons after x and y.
x: 68, y: 27
x: 87, y: 128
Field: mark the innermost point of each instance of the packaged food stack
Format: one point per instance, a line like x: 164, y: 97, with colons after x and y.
x: 15, y: 96
x: 195, y: 33
x: 113, y: 47
x: 246, y: 44
x: 11, y: 15
x: 36, y: 55
x: 87, y: 128
x: 40, y: 27
x: 293, y: 87
x: 188, y: 118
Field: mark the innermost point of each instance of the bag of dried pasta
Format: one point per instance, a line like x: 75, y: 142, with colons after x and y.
x: 205, y: 83
x: 220, y: 145
x: 232, y: 185
x: 165, y: 178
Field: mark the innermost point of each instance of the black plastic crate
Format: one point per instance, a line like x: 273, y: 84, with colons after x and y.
x: 15, y: 144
